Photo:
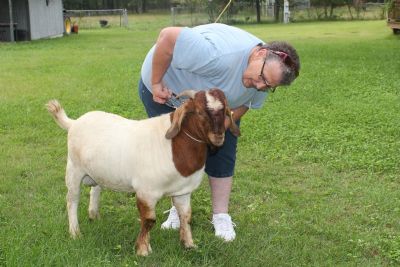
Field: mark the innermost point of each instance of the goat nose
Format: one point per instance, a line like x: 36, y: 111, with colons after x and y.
x: 219, y: 140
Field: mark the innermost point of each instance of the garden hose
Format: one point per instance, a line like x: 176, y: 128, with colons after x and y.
x: 223, y: 11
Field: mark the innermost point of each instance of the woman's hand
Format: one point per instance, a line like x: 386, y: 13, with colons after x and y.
x: 161, y: 93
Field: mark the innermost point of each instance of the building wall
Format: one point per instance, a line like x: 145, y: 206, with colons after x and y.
x: 4, y: 18
x: 21, y: 17
x: 46, y: 18
x: 4, y: 15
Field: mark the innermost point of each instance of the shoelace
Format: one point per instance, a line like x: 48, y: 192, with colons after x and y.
x: 223, y: 223
x: 173, y: 215
x: 166, y: 211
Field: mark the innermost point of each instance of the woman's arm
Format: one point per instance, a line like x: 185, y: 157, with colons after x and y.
x: 161, y: 60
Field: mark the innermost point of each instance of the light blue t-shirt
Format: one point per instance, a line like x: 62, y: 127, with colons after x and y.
x: 210, y: 56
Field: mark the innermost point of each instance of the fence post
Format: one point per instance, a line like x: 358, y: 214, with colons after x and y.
x: 11, y: 21
x: 173, y: 15
x: 286, y: 12
x: 125, y: 19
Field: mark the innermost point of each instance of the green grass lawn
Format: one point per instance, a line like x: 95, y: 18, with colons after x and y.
x: 317, y: 178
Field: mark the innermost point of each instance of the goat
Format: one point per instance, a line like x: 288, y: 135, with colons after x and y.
x: 155, y: 157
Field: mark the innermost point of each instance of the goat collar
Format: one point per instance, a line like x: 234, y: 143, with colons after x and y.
x: 191, y: 137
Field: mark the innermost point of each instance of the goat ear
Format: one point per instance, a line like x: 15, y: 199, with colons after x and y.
x: 177, y: 118
x: 232, y: 127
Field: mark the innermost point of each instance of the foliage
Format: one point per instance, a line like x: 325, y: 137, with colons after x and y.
x: 389, y: 5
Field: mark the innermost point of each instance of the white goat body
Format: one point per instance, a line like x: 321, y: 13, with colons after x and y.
x: 128, y: 155
x: 151, y: 157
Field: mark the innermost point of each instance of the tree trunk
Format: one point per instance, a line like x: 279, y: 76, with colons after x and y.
x: 144, y: 8
x: 277, y: 10
x: 349, y: 8
x: 258, y: 11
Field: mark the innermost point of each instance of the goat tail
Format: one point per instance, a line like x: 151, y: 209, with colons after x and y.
x: 59, y: 115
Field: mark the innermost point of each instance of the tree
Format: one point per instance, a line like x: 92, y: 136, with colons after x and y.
x: 258, y: 10
x: 277, y: 9
x: 328, y: 7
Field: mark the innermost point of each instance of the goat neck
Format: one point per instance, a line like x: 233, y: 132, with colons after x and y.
x: 188, y: 154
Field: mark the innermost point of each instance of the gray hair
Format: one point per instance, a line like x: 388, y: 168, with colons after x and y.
x: 290, y: 63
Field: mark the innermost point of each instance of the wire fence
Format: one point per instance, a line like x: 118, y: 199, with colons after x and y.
x: 242, y: 13
x: 89, y: 19
x: 202, y: 12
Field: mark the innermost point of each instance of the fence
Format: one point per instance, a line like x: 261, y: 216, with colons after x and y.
x: 88, y: 19
x: 241, y: 13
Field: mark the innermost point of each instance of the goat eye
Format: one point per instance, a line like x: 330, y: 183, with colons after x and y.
x: 202, y: 114
x: 217, y: 114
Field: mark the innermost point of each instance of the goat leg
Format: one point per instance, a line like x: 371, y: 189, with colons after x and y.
x: 182, y: 204
x: 73, y: 178
x: 147, y: 221
x: 94, y: 202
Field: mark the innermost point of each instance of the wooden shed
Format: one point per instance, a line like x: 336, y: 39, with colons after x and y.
x: 23, y: 20
x: 393, y: 18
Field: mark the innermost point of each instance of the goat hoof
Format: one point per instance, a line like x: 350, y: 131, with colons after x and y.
x: 94, y: 215
x: 143, y: 250
x: 189, y: 245
x: 142, y: 253
x: 75, y: 235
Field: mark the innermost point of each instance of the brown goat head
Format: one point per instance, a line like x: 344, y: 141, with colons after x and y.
x: 204, y: 117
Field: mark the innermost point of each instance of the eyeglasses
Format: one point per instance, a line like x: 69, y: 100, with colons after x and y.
x: 267, y: 84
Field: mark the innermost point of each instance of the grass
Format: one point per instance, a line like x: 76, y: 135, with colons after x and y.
x: 317, y: 178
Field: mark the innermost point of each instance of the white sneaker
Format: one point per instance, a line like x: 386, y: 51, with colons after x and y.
x: 173, y: 220
x: 223, y: 226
